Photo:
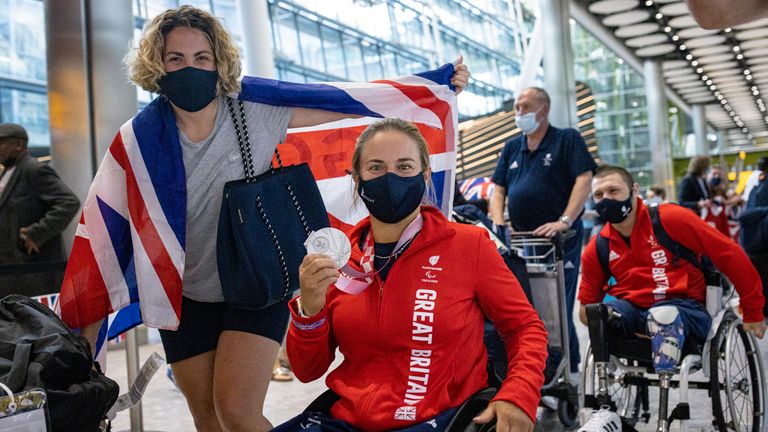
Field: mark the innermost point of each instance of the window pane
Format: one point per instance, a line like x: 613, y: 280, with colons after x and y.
x: 372, y: 61
x: 286, y: 38
x: 354, y: 58
x: 30, y: 110
x: 309, y: 40
x: 334, y: 55
x: 22, y: 39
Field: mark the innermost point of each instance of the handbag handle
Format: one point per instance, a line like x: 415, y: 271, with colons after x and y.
x: 245, y: 151
x: 244, y: 141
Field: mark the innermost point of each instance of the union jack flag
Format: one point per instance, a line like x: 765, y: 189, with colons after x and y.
x: 130, y: 240
x: 477, y: 188
x: 48, y: 300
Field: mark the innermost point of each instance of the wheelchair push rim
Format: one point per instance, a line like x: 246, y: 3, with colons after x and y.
x: 737, y: 381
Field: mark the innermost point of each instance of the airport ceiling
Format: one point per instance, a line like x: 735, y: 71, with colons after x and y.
x: 727, y: 70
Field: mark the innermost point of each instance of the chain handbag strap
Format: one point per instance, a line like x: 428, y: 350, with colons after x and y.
x: 244, y: 140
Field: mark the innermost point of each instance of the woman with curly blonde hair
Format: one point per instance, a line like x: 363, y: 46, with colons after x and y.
x: 221, y: 356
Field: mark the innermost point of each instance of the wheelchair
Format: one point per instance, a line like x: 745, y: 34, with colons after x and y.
x: 617, y: 373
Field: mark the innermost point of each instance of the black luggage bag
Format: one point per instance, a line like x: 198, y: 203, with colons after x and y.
x: 37, y: 350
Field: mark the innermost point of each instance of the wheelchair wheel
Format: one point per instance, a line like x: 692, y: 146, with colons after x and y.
x: 737, y: 385
x: 624, y: 395
x: 567, y: 412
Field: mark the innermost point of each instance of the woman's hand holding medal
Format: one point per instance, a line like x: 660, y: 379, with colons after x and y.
x: 328, y: 250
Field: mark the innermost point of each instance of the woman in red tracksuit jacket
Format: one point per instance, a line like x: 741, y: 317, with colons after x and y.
x: 412, y: 341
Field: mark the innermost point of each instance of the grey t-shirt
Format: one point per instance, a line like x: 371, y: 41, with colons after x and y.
x: 209, y: 164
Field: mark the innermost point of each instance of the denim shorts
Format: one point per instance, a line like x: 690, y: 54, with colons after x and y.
x: 202, y: 323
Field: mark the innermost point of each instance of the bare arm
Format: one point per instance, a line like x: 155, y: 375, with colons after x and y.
x: 91, y: 333
x: 496, y: 207
x: 305, y: 117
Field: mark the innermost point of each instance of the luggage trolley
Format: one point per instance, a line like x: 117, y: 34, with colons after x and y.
x: 544, y: 264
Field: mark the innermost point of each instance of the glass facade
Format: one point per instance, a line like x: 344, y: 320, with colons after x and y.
x: 621, y: 118
x: 23, y: 95
x: 364, y: 40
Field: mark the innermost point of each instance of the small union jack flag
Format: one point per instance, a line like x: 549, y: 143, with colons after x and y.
x: 48, y: 300
x: 405, y: 413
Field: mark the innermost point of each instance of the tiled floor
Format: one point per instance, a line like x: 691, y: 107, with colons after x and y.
x: 164, y: 408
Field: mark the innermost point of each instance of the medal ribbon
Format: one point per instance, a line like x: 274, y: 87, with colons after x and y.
x: 354, y: 282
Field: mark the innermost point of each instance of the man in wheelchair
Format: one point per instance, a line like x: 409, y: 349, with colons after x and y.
x: 650, y: 260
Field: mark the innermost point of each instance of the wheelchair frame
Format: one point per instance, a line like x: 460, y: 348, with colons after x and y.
x: 631, y: 377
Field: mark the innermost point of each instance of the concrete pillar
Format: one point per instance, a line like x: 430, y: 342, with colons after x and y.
x: 89, y: 97
x: 722, y: 141
x: 700, y: 129
x: 558, y: 62
x: 658, y: 127
x: 258, y: 52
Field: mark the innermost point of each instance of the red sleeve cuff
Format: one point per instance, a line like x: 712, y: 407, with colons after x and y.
x: 752, y: 315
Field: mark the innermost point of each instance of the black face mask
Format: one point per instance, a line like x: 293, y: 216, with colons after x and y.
x: 390, y: 198
x: 614, y: 211
x: 715, y: 181
x: 190, y: 89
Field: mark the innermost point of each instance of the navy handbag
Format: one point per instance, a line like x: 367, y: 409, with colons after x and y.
x: 263, y: 224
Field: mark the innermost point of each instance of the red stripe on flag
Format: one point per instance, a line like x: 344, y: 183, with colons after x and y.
x: 84, y: 298
x: 425, y: 98
x: 329, y: 151
x: 150, y: 238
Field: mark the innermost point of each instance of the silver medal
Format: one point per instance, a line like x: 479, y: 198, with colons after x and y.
x: 330, y: 242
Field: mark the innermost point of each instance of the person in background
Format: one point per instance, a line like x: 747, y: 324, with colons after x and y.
x: 758, y: 202
x: 655, y: 195
x: 35, y: 207
x: 412, y: 340
x: 693, y: 191
x: 544, y: 176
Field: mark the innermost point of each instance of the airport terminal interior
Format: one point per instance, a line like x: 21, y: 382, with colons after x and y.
x: 646, y: 85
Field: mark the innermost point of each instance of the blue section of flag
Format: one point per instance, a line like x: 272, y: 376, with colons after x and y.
x: 438, y: 179
x: 440, y: 76
x: 158, y: 138
x: 119, y: 230
x: 126, y: 319
x: 101, y: 338
x: 315, y: 96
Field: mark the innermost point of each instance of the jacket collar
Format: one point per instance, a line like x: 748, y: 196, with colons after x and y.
x: 436, y: 227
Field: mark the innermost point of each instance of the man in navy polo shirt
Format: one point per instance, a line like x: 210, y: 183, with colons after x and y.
x: 546, y: 176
